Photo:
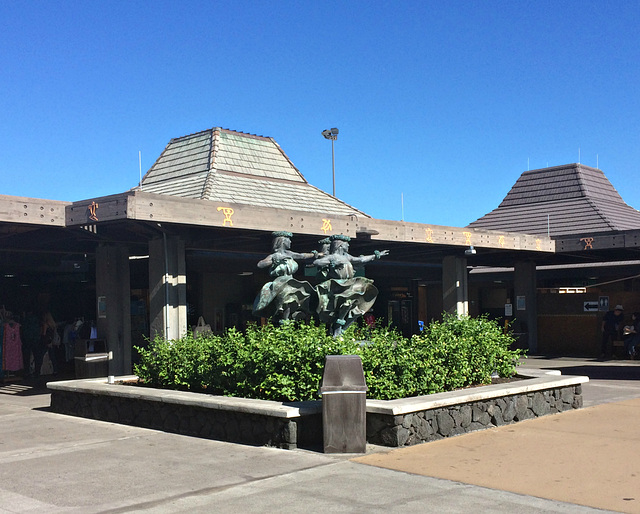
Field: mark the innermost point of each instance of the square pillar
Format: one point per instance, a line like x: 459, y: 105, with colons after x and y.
x: 167, y: 287
x: 455, y: 293
x: 113, y: 292
x: 525, y: 292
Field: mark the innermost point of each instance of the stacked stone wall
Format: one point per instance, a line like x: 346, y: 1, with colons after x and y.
x: 305, y: 430
x: 433, y: 424
x: 221, y: 425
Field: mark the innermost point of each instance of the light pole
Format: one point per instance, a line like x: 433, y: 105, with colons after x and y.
x: 333, y: 135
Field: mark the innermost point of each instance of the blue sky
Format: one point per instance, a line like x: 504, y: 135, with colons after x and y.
x: 440, y: 105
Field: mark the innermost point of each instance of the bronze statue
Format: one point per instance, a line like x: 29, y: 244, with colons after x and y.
x: 343, y: 297
x: 285, y: 297
x: 325, y: 249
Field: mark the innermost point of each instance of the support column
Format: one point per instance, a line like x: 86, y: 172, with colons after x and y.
x: 113, y: 291
x: 526, y: 302
x: 455, y: 295
x: 167, y: 287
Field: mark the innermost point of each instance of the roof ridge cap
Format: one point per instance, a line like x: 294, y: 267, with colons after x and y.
x: 288, y: 160
x: 214, y: 141
x: 175, y: 139
x: 584, y: 186
x: 240, y: 133
x: 616, y: 198
x: 153, y: 165
x: 356, y: 210
x: 600, y: 213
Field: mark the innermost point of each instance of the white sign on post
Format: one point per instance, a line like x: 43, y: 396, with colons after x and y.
x: 508, y: 309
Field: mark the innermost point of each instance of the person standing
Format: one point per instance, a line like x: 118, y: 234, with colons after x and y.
x: 30, y: 343
x: 48, y: 331
x: 631, y: 335
x: 610, y: 330
x: 47, y: 334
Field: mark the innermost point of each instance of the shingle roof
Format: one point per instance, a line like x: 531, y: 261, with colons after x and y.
x: 565, y: 200
x: 233, y: 167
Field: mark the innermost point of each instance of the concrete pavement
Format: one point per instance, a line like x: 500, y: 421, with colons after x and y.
x: 55, y: 463
x: 588, y: 457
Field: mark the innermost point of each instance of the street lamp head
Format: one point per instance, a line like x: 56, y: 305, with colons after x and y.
x: 330, y: 134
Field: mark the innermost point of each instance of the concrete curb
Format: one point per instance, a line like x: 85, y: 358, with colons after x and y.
x: 540, y: 381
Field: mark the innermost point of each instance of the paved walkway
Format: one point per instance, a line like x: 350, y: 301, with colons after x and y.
x: 572, y: 462
x: 588, y: 457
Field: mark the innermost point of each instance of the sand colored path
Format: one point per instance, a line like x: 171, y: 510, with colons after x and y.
x: 588, y: 457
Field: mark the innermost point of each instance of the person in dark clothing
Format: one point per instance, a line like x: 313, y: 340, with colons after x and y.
x: 30, y: 343
x: 610, y: 330
x: 631, y: 334
x: 48, y: 330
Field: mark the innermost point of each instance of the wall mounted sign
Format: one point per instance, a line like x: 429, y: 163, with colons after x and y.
x: 102, y: 306
x: 603, y: 303
x: 508, y: 310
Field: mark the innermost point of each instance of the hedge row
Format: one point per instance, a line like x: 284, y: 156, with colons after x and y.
x: 286, y: 362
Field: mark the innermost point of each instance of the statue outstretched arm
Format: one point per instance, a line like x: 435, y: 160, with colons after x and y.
x: 323, y: 261
x: 303, y: 256
x: 363, y: 259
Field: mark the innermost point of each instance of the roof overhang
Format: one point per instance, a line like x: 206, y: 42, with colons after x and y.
x: 156, y: 208
x: 134, y: 217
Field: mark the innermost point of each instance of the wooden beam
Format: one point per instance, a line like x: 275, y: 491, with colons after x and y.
x: 32, y: 211
x: 167, y: 209
x: 455, y: 236
x: 90, y: 212
x: 589, y: 242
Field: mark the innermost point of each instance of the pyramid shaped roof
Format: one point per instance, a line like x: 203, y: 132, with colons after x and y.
x: 562, y: 200
x: 234, y: 167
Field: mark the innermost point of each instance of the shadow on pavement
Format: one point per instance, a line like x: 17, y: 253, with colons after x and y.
x: 598, y: 371
x: 23, y: 389
x: 31, y: 386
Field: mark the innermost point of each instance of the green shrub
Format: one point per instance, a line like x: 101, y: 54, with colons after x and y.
x: 180, y: 364
x: 286, y: 362
x: 466, y: 351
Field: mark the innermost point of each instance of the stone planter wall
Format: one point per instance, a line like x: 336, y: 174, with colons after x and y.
x: 392, y: 423
x: 235, y: 420
x: 437, y: 423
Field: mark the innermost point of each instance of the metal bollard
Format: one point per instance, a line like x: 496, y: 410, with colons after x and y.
x: 344, y: 409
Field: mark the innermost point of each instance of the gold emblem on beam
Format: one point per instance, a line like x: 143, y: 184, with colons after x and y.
x: 429, y: 234
x: 92, y: 211
x: 228, y: 212
x: 588, y: 243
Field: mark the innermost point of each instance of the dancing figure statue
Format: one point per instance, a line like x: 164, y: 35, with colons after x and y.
x: 325, y: 249
x: 343, y: 297
x: 284, y: 297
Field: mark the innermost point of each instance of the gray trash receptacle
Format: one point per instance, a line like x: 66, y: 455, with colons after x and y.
x: 91, y: 358
x: 344, y: 405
